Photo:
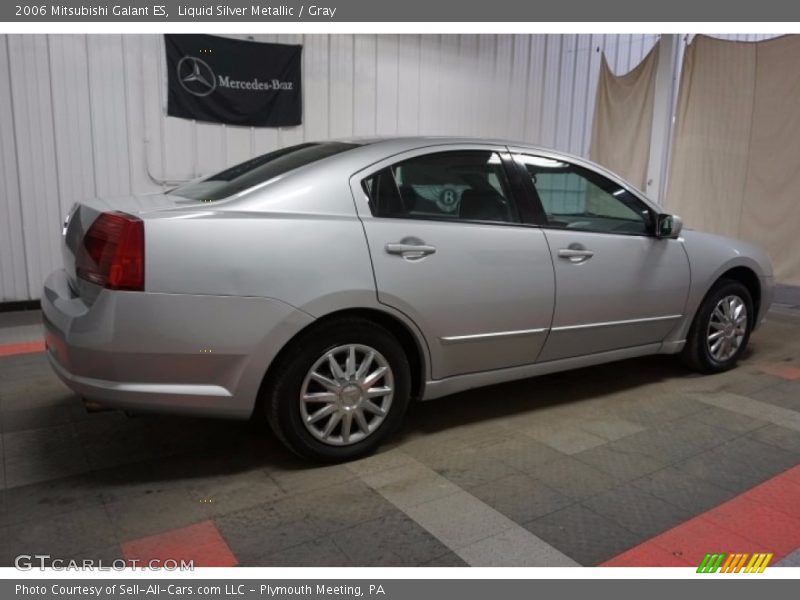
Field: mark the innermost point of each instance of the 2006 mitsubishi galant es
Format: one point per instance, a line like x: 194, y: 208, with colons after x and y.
x: 325, y: 285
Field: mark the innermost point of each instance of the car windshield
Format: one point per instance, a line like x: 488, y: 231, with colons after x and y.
x: 258, y: 170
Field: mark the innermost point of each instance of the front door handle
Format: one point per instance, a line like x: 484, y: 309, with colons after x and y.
x: 575, y: 254
x: 410, y: 251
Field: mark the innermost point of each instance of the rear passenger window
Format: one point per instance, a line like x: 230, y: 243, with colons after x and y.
x: 461, y: 185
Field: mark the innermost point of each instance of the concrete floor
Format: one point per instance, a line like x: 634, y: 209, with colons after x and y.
x: 573, y: 468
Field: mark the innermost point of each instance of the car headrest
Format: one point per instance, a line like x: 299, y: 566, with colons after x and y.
x: 481, y: 205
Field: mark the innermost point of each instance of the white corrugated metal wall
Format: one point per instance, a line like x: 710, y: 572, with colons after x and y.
x: 83, y: 115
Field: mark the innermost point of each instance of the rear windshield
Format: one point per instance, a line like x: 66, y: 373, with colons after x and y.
x: 258, y: 170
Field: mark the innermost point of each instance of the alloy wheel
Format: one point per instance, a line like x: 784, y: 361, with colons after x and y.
x: 346, y: 394
x: 727, y: 328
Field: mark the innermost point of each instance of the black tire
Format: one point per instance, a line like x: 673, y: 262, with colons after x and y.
x: 696, y: 354
x: 281, y: 393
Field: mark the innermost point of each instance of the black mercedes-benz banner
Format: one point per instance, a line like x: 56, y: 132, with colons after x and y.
x: 235, y: 82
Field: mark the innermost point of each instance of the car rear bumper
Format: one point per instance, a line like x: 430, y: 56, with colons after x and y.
x: 182, y: 353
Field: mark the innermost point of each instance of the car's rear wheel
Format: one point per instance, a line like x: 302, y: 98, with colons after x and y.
x: 339, y: 390
x: 721, y: 328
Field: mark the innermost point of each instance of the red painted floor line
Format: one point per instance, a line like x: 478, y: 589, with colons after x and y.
x: 21, y: 348
x: 201, y: 543
x: 765, y: 518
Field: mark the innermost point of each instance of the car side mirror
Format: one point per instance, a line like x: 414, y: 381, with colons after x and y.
x: 669, y: 226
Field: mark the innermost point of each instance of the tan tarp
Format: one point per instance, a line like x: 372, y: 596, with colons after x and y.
x: 735, y: 165
x: 623, y: 117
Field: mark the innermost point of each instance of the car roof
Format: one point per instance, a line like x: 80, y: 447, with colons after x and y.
x: 410, y: 142
x: 396, y: 145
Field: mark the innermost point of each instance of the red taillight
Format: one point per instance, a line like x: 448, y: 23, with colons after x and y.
x: 112, y: 253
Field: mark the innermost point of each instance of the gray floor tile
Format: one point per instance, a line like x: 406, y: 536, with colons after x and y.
x: 573, y: 478
x: 381, y: 463
x: 257, y: 533
x: 658, y: 409
x: 339, y: 507
x: 791, y: 560
x: 522, y: 453
x: 779, y: 395
x: 476, y: 436
x: 7, y: 554
x: 514, y: 548
x: 16, y: 334
x: 410, y: 485
x: 609, y: 427
x: 21, y: 318
x: 301, y: 478
x: 637, y: 511
x: 107, y: 555
x: 36, y: 455
x: 738, y: 465
x: 65, y: 535
x: 684, y: 490
x: 620, y: 463
x: 520, y: 497
x: 470, y: 467
x: 35, y: 390
x: 221, y: 483
x: 2, y: 466
x: 564, y: 438
x: 21, y: 419
x: 780, y: 437
x: 674, y: 441
x: 142, y: 480
x: 225, y: 494
x: 726, y: 419
x: 317, y: 553
x: 424, y: 447
x: 459, y: 519
x: 154, y: 513
x: 393, y: 540
x: 448, y: 559
x: 758, y: 409
x: 583, y: 535
x: 21, y: 369
x: 48, y: 499
x: 791, y: 387
x: 747, y: 384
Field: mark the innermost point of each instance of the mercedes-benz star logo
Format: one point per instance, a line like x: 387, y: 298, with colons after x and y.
x: 196, y: 76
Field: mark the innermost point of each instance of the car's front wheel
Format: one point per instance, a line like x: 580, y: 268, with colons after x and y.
x: 721, y: 328
x: 339, y: 390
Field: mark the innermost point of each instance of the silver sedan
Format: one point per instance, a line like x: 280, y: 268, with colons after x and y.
x: 324, y: 286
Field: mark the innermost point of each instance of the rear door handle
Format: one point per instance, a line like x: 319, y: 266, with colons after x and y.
x: 575, y: 254
x: 410, y: 251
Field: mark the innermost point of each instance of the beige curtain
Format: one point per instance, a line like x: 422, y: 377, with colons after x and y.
x: 735, y: 166
x: 623, y: 117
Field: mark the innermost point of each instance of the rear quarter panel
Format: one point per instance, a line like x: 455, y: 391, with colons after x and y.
x: 298, y: 241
